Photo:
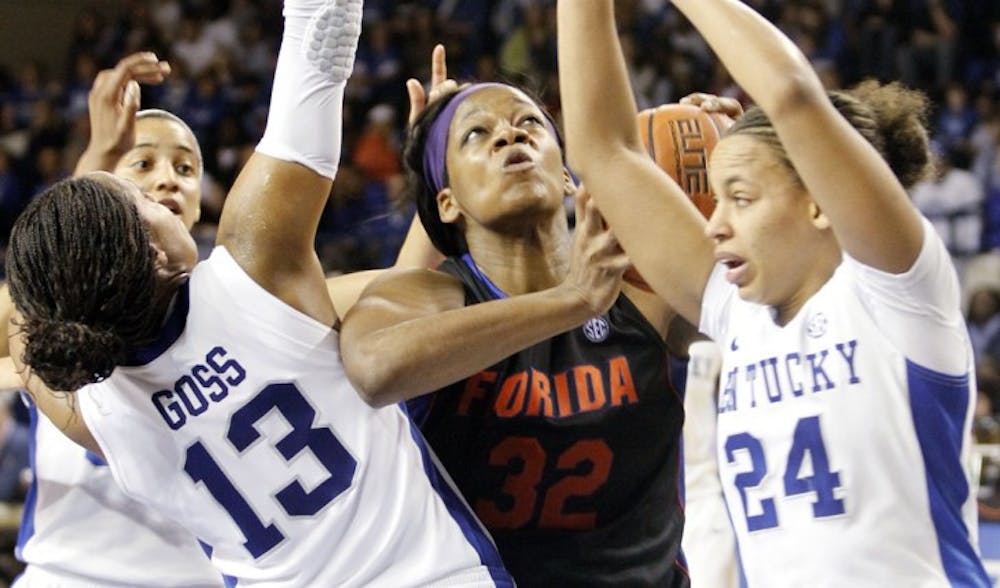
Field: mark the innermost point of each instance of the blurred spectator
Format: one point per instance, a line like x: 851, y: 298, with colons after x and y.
x: 983, y: 320
x: 926, y: 55
x: 526, y: 44
x: 378, y: 66
x: 85, y: 68
x: 12, y: 197
x: 953, y: 202
x: 14, y: 438
x: 376, y: 152
x: 954, y: 123
x: 193, y: 48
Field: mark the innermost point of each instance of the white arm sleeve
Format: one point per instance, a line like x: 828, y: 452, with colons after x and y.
x: 317, y: 54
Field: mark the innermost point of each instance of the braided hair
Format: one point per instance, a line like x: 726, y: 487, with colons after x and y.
x: 81, y: 272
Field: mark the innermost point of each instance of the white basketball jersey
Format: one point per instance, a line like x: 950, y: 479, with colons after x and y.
x: 79, y: 529
x: 240, y: 425
x: 844, y: 435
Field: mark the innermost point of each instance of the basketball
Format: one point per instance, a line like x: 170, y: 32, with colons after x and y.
x: 679, y: 138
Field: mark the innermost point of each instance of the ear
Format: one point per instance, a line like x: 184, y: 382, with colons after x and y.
x: 160, y: 265
x: 818, y: 217
x: 448, y: 208
x: 569, y: 184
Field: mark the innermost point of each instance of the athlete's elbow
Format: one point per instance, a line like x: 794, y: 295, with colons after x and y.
x: 368, y: 378
x: 375, y: 398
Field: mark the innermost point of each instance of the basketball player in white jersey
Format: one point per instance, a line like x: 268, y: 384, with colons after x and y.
x: 847, y: 374
x: 74, y: 511
x: 76, y: 519
x: 236, y: 420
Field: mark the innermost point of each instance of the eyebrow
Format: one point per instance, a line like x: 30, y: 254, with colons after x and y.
x: 155, y: 145
x: 479, y: 110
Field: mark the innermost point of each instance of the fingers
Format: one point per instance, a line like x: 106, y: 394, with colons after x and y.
x: 439, y: 67
x: 142, y: 67
x: 712, y: 103
x: 445, y: 87
x: 110, y: 85
x: 130, y: 98
x: 418, y: 100
x: 596, y: 229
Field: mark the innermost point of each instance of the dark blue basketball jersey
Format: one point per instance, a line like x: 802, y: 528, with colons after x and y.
x: 569, y: 450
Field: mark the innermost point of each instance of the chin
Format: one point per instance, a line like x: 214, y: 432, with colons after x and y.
x: 749, y: 294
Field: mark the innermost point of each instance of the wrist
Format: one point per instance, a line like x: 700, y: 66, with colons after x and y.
x: 574, y: 302
x: 96, y: 158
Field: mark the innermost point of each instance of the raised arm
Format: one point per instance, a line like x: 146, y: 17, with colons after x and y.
x: 271, y: 215
x: 871, y: 215
x: 604, y: 148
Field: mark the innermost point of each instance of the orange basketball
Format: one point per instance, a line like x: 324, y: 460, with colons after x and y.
x: 679, y: 138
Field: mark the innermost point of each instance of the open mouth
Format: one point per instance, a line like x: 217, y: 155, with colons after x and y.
x: 518, y: 160
x: 173, y: 206
x: 735, y: 268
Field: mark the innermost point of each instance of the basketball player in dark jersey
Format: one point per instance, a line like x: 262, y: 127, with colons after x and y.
x: 537, y: 375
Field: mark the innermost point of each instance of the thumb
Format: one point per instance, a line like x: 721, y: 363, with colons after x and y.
x: 130, y: 98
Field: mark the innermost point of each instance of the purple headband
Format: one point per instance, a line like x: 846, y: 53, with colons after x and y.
x: 436, y: 146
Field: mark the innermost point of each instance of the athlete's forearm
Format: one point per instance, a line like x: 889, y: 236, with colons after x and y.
x: 417, y: 250
x: 410, y: 358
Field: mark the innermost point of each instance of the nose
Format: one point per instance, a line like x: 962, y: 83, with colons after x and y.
x: 510, y: 134
x: 718, y: 228
x: 165, y: 179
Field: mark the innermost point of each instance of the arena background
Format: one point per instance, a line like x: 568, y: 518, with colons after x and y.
x: 223, y: 50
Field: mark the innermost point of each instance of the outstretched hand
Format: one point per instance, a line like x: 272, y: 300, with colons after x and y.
x: 731, y: 107
x: 113, y: 102
x: 440, y: 84
x: 598, y: 260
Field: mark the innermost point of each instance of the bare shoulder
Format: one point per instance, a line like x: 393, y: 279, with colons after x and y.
x: 423, y: 290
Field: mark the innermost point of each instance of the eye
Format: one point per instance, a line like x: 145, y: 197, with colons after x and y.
x: 473, y: 133
x: 141, y: 164
x: 185, y: 169
x: 530, y: 120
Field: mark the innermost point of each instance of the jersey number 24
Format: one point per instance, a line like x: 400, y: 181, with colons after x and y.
x: 807, y: 444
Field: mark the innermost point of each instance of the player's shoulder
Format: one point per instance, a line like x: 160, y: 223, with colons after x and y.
x: 416, y: 287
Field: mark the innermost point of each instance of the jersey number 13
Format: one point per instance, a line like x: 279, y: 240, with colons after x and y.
x: 294, y: 499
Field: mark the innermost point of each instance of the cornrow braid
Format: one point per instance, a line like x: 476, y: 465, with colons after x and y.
x: 81, y: 272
